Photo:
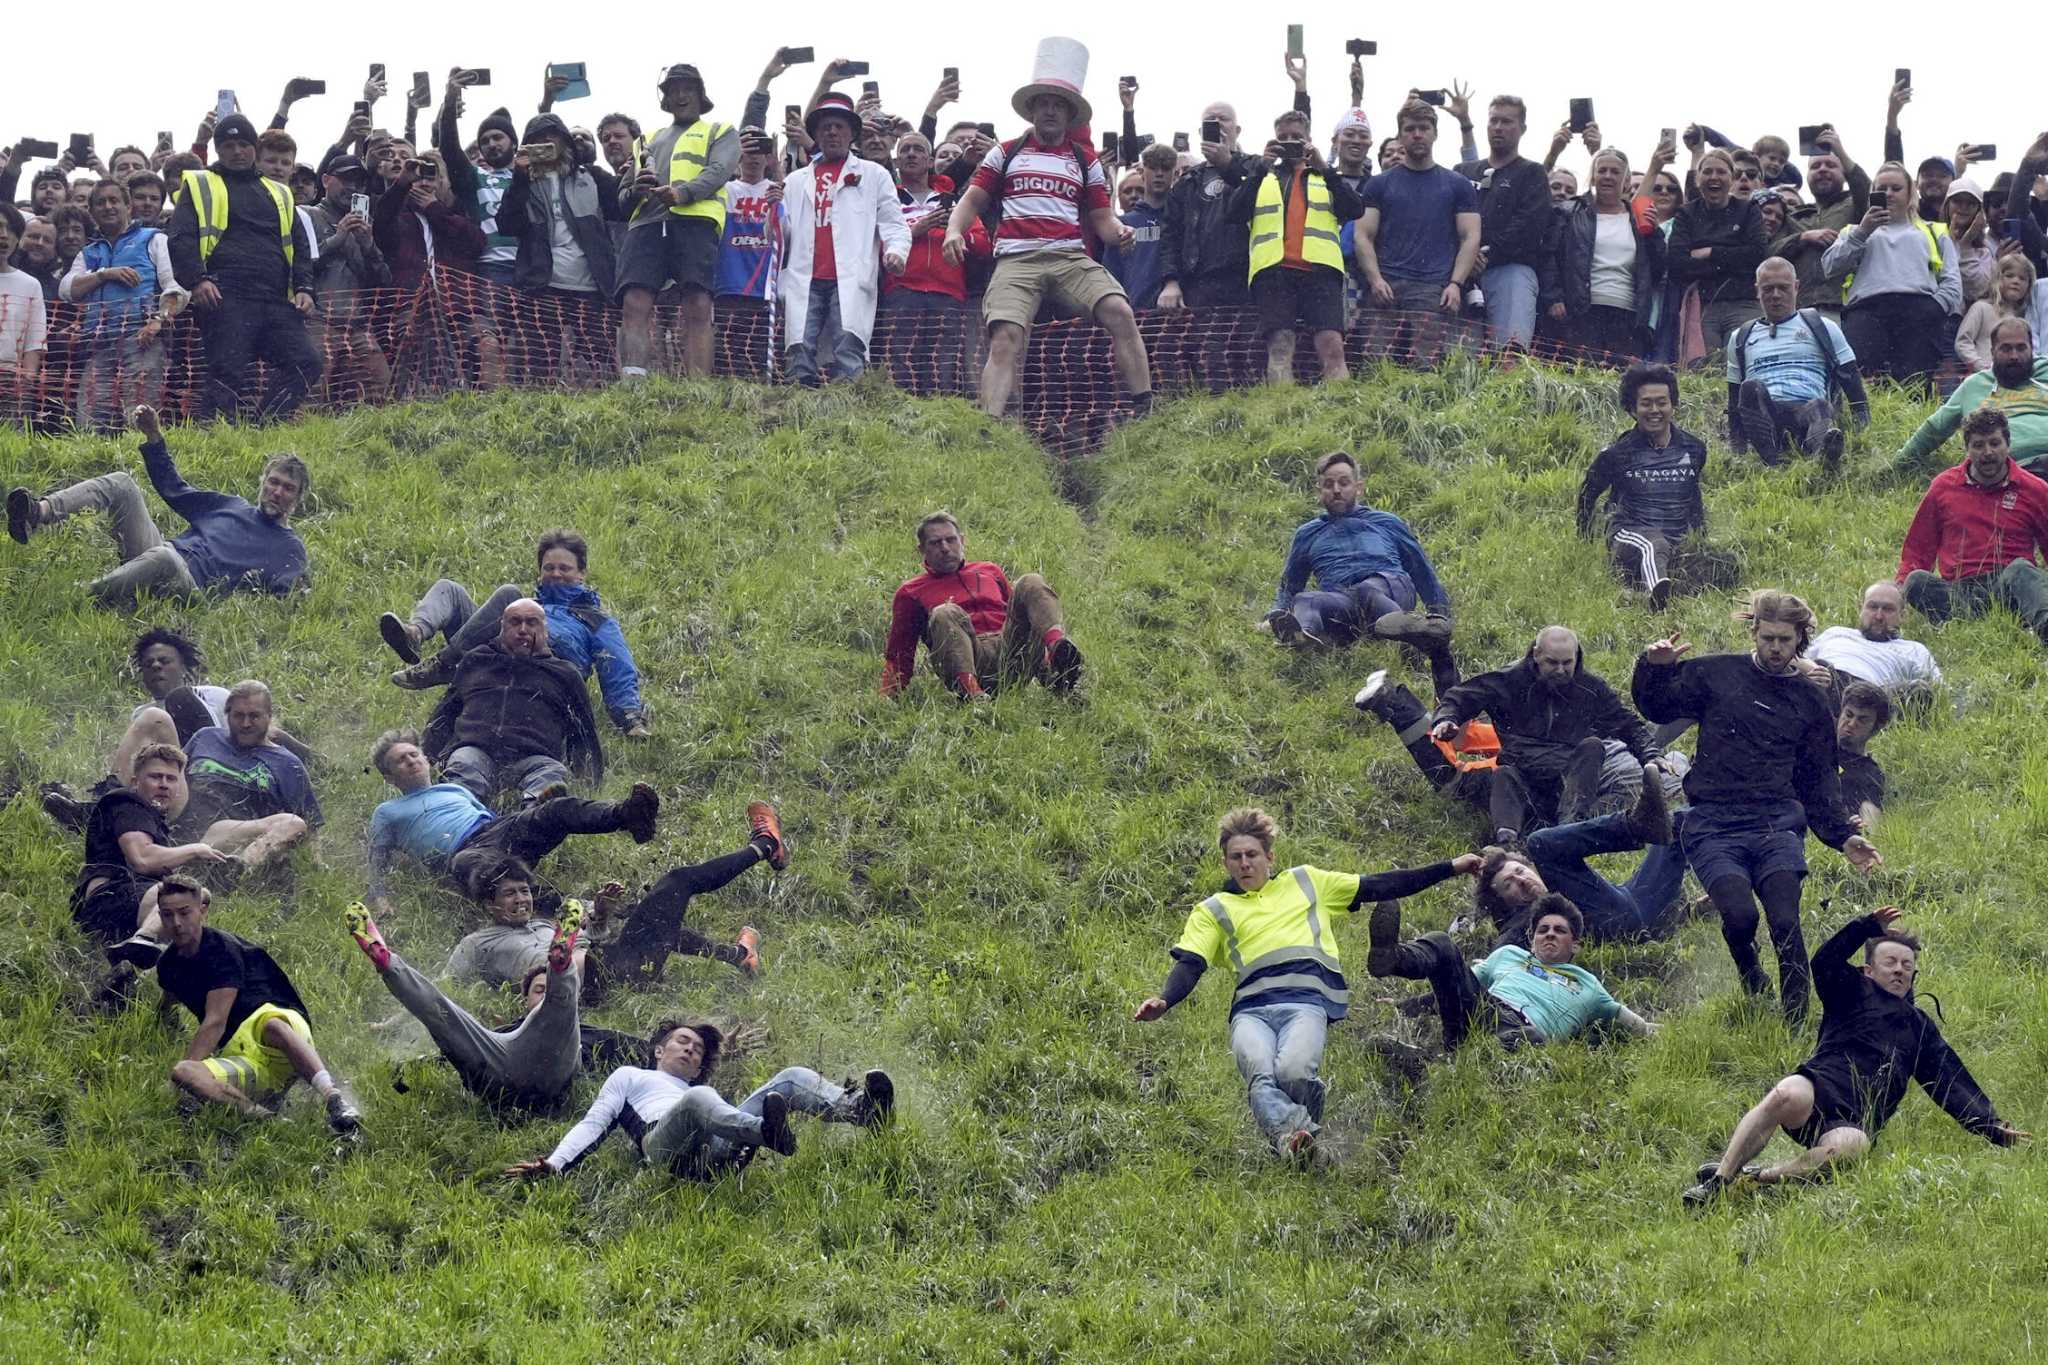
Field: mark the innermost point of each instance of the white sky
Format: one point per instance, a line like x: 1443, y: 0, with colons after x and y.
x: 1642, y: 75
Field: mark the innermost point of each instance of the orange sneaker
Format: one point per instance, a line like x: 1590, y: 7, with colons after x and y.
x: 764, y: 824
x: 749, y: 939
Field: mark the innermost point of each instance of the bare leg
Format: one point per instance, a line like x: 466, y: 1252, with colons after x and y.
x: 375, y: 369
x: 1128, y: 348
x: 1840, y: 1144
x: 1330, y: 351
x: 146, y: 921
x: 153, y: 726
x: 999, y: 375
x: 636, y: 330
x: 697, y: 319
x: 257, y: 841
x: 281, y: 1037
x: 1280, y: 357
x: 1789, y: 1103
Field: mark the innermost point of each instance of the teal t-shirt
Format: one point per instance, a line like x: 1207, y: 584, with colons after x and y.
x: 1558, y: 1000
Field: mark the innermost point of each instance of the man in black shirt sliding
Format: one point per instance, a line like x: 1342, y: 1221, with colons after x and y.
x: 1865, y: 710
x: 1652, y: 479
x: 1766, y: 771
x: 253, y: 1040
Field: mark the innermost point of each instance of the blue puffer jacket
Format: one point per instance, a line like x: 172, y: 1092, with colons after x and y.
x: 581, y: 632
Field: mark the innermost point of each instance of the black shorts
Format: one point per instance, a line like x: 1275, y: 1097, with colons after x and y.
x: 1834, y: 1106
x: 109, y: 913
x: 679, y: 251
x: 1309, y: 300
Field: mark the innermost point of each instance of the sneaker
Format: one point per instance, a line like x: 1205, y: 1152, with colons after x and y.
x: 67, y: 810
x: 401, y: 636
x: 749, y: 941
x: 1710, y: 1188
x: 1831, y: 449
x: 1368, y: 698
x: 1650, y: 818
x: 1707, y: 1169
x: 21, y: 514
x: 568, y: 924
x: 969, y: 687
x: 427, y: 673
x: 880, y: 1093
x: 368, y: 937
x: 139, y: 949
x: 1424, y: 632
x: 1298, y: 1145
x: 638, y: 812
x: 1063, y: 666
x: 1286, y: 629
x: 636, y: 728
x: 1383, y: 937
x: 1660, y: 594
x: 776, y: 1134
x: 342, y: 1114
x: 765, y: 825
x: 117, y: 992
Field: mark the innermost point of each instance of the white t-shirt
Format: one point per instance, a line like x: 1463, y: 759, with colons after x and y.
x: 1614, y: 261
x: 571, y: 268
x: 1891, y: 664
x: 24, y: 322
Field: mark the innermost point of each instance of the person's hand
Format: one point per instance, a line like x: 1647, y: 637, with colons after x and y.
x: 1297, y: 70
x: 358, y: 128
x: 1963, y: 157
x: 296, y: 89
x: 1861, y: 853
x: 354, y: 222
x: 375, y: 89
x: 303, y: 301
x: 1126, y: 237
x: 206, y: 126
x: 835, y: 70
x: 1560, y: 139
x: 1467, y: 864
x: 1557, y: 312
x: 147, y: 334
x: 893, y: 262
x: 417, y: 98
x: 869, y: 105
x: 1451, y: 300
x: 2013, y: 1136
x: 1878, y: 216
x: 459, y: 79
x: 954, y: 248
x: 1693, y: 138
x: 1591, y: 137
x: 1217, y: 154
x: 1151, y: 1009
x: 125, y: 276
x: 536, y: 1169
x: 144, y: 420
x: 606, y: 900
x: 1357, y: 81
x: 1314, y: 158
x: 2037, y: 152
x: 948, y: 92
x: 773, y: 194
x: 1667, y: 650
x: 1444, y: 730
x: 776, y: 66
x: 1662, y: 155
x: 1902, y: 95
x: 1701, y: 253
x: 1170, y: 296
x: 1820, y: 237
x: 1382, y: 292
x: 1460, y: 103
x: 522, y: 163
x: 1274, y: 153
x: 928, y: 222
x: 419, y: 194
x: 202, y: 853
x: 1887, y: 916
x: 1126, y: 91
x: 2008, y: 247
x: 206, y: 297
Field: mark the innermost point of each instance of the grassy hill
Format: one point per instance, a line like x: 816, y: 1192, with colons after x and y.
x: 977, y: 901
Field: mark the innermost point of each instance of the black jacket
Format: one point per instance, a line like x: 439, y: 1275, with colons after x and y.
x: 248, y: 260
x: 1514, y: 210
x: 1652, y: 489
x: 1764, y: 737
x: 1570, y: 279
x: 1197, y: 236
x: 513, y: 707
x: 1735, y: 234
x: 1873, y: 1044
x: 1540, y: 725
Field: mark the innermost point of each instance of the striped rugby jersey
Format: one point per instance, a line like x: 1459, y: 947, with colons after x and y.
x: 1044, y: 192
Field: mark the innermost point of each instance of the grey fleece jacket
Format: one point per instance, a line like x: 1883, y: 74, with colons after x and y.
x: 1894, y: 260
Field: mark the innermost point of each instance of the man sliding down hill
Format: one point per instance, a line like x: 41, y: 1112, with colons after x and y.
x: 976, y: 636
x: 1370, y: 574
x: 1874, y: 1041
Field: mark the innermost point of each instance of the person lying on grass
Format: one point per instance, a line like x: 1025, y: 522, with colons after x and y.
x: 678, y: 1122
x: 1278, y: 934
x: 515, y: 716
x: 253, y: 1039
x: 1874, y: 1042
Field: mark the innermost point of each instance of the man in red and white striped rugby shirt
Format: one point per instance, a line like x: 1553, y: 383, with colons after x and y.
x: 1047, y: 180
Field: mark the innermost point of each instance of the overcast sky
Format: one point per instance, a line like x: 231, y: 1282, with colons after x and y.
x: 1636, y: 61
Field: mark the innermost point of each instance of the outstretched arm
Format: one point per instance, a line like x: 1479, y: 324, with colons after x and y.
x: 1180, y: 979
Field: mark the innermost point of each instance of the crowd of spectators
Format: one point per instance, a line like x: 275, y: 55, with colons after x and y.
x: 593, y: 254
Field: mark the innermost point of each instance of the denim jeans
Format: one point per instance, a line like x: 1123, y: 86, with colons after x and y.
x: 1638, y: 908
x: 1510, y: 303
x: 847, y: 353
x: 447, y: 609
x: 1279, y: 1049
x: 704, y: 1133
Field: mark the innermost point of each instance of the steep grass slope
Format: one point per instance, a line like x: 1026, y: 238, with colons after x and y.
x: 977, y: 901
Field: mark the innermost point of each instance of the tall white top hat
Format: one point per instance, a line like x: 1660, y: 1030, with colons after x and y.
x: 1059, y: 69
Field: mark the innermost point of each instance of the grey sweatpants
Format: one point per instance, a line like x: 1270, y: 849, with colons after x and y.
x: 703, y: 1133
x: 535, y: 1061
x: 147, y: 559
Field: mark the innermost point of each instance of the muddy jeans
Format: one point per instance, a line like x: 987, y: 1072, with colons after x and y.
x: 1017, y: 654
x: 147, y: 559
x: 704, y: 1134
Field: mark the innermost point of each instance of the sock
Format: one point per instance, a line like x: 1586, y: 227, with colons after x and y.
x: 323, y: 1082
x: 761, y: 845
x: 1053, y: 636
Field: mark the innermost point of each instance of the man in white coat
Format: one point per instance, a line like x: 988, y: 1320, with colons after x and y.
x: 836, y: 211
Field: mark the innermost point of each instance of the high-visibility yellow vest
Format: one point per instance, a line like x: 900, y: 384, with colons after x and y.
x: 210, y: 205
x: 1934, y: 232
x: 687, y: 158
x: 1275, y: 938
x: 1319, y: 244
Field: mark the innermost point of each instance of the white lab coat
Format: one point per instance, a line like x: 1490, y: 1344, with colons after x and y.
x: 867, y: 220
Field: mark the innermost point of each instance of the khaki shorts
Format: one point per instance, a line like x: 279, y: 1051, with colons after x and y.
x: 1068, y: 275
x: 245, y: 1063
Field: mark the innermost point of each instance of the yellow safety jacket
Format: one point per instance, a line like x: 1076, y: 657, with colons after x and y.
x: 1277, y: 939
x: 1319, y: 242
x: 210, y: 205
x: 688, y: 155
x: 1934, y: 232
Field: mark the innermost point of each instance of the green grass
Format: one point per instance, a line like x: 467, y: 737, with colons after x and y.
x: 979, y: 899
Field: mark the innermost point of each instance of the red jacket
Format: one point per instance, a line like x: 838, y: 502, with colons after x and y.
x: 981, y: 590
x: 1970, y: 529
x: 927, y: 270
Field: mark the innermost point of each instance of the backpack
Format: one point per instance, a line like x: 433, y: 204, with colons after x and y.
x: 1080, y: 151
x: 1814, y: 328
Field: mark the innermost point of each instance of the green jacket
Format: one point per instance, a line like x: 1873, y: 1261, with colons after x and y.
x: 2026, y: 410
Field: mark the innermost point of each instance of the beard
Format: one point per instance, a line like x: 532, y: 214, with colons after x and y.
x: 1881, y: 634
x: 2012, y: 374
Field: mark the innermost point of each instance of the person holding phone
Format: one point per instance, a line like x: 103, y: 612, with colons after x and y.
x: 1295, y: 209
x: 1608, y: 260
x: 1515, y: 221
x: 130, y: 292
x: 351, y: 264
x: 479, y: 188
x: 1901, y: 285
x: 239, y: 246
x: 675, y: 221
x: 1841, y: 195
x: 561, y: 213
x: 927, y: 304
x: 843, y: 225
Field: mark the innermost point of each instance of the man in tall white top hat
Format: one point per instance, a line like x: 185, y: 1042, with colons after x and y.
x: 1048, y: 182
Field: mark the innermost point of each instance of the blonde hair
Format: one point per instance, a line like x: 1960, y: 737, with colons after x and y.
x: 2006, y: 310
x: 1247, y: 820
x: 1912, y: 194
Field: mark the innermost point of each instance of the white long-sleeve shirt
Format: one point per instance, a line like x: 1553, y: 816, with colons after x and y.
x: 634, y: 1099
x: 159, y: 256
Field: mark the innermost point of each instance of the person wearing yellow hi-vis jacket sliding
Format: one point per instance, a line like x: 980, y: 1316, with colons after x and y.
x: 239, y: 248
x: 1296, y: 205
x: 1278, y: 932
